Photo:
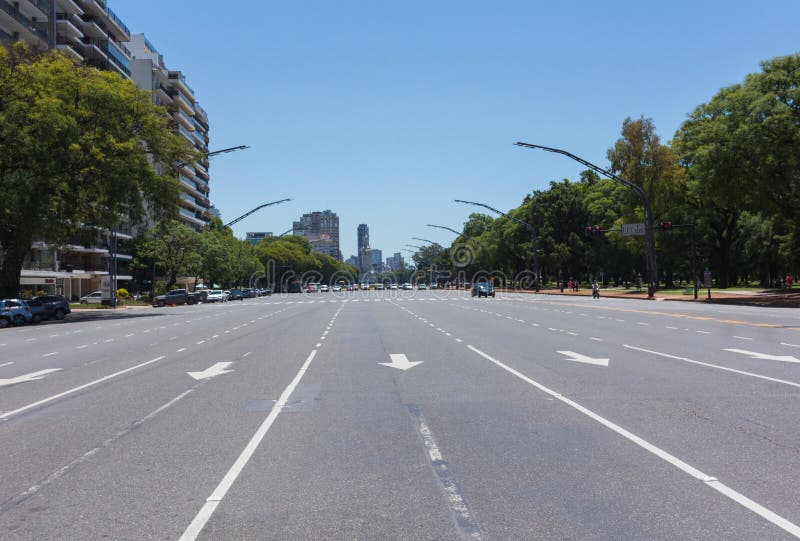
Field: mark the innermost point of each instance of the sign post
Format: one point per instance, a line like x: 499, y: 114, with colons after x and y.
x: 707, y: 281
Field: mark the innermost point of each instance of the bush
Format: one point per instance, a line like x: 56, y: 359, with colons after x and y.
x: 122, y: 293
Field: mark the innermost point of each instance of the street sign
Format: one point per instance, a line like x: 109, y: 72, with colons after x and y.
x: 707, y: 278
x: 632, y: 230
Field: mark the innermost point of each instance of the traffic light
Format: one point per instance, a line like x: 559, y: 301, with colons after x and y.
x: 593, y: 231
x: 665, y: 226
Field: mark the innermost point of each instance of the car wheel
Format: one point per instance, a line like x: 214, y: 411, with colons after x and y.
x: 190, y: 301
x: 36, y: 319
x: 18, y: 320
x: 160, y: 304
x: 59, y: 314
x: 84, y: 302
x: 4, y: 323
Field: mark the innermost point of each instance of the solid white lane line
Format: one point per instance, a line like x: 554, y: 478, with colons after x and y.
x: 708, y: 480
x: 702, y: 332
x: 247, y: 354
x: 6, y: 364
x: 725, y: 368
x: 83, y: 346
x: 673, y: 328
x: 459, y: 340
x: 640, y: 323
x: 597, y: 339
x: 17, y: 411
x: 742, y: 337
x: 50, y: 354
x: 790, y: 345
x: 219, y: 493
x: 180, y: 350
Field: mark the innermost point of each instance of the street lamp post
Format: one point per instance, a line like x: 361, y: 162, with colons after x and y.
x: 526, y: 225
x: 445, y: 227
x: 650, y: 257
x: 246, y: 214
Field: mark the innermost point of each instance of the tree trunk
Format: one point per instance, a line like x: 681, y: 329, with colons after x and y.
x: 14, y: 247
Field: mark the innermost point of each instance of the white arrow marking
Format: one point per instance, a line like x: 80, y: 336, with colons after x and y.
x: 27, y: 377
x: 401, y: 362
x: 577, y: 357
x: 755, y: 355
x: 212, y: 371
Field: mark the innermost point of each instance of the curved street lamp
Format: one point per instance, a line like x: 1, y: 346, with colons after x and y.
x: 650, y: 245
x: 445, y: 227
x: 526, y: 225
x: 246, y: 214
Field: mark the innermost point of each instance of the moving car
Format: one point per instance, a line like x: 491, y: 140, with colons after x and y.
x: 407, y: 287
x: 14, y: 312
x: 336, y: 288
x: 175, y: 297
x: 482, y: 289
x: 324, y: 288
x: 422, y: 285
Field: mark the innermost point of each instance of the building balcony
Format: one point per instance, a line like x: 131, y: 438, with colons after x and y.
x: 190, y: 217
x: 67, y: 26
x: 184, y: 103
x: 71, y: 50
x: 95, y: 8
x: 91, y: 29
x: 70, y: 6
x: 119, y: 56
x: 163, y: 96
x: 186, y: 133
x: 92, y: 49
x: 180, y: 81
x: 17, y: 22
x: 117, y: 27
x: 34, y: 9
x: 183, y: 119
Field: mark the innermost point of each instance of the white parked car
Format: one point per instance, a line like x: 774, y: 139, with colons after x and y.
x: 92, y: 298
x: 422, y: 286
x: 392, y: 286
x: 407, y: 287
x: 216, y: 295
x: 324, y: 288
x: 337, y: 288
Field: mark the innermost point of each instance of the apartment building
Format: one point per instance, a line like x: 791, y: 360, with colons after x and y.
x: 171, y: 90
x: 321, y: 228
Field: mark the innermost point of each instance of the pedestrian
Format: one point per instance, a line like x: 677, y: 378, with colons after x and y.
x: 595, y: 290
x: 789, y: 280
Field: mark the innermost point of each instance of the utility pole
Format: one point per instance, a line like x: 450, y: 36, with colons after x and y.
x: 650, y: 245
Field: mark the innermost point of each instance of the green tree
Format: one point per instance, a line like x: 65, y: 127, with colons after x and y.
x: 77, y: 147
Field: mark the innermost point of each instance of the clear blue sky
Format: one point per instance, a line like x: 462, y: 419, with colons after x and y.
x: 384, y: 112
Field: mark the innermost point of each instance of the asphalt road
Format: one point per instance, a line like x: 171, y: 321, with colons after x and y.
x: 404, y: 415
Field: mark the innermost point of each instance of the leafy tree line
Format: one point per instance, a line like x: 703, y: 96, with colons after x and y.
x: 732, y: 169
x: 215, y: 257
x: 79, y: 149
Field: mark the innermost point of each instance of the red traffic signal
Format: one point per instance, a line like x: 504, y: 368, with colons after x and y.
x: 665, y: 226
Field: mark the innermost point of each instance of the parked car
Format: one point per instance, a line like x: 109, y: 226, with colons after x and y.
x: 14, y: 312
x: 56, y: 306
x: 236, y: 295
x: 482, y: 289
x: 38, y: 311
x: 175, y: 297
x: 379, y: 286
x: 336, y: 288
x: 248, y: 293
x: 422, y: 285
x: 407, y: 287
x: 216, y: 295
x: 392, y: 286
x: 324, y: 288
x: 92, y: 298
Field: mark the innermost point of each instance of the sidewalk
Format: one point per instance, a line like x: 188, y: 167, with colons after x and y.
x: 784, y: 299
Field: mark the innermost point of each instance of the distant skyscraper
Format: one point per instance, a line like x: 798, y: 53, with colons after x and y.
x: 363, y: 237
x: 352, y: 260
x: 322, y: 231
x: 395, y: 262
x: 376, y: 260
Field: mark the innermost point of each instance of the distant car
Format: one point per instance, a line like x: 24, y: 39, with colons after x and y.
x: 266, y: 292
x: 216, y: 295
x: 407, y: 287
x: 324, y: 288
x: 392, y: 286
x: 56, y: 306
x: 92, y: 298
x: 379, y: 286
x: 482, y: 289
x: 336, y: 288
x: 14, y: 312
x: 434, y: 285
x: 352, y: 287
x: 422, y: 286
x: 236, y: 295
x: 248, y: 293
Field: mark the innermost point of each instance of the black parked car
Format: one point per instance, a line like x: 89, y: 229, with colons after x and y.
x: 236, y: 295
x: 55, y: 306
